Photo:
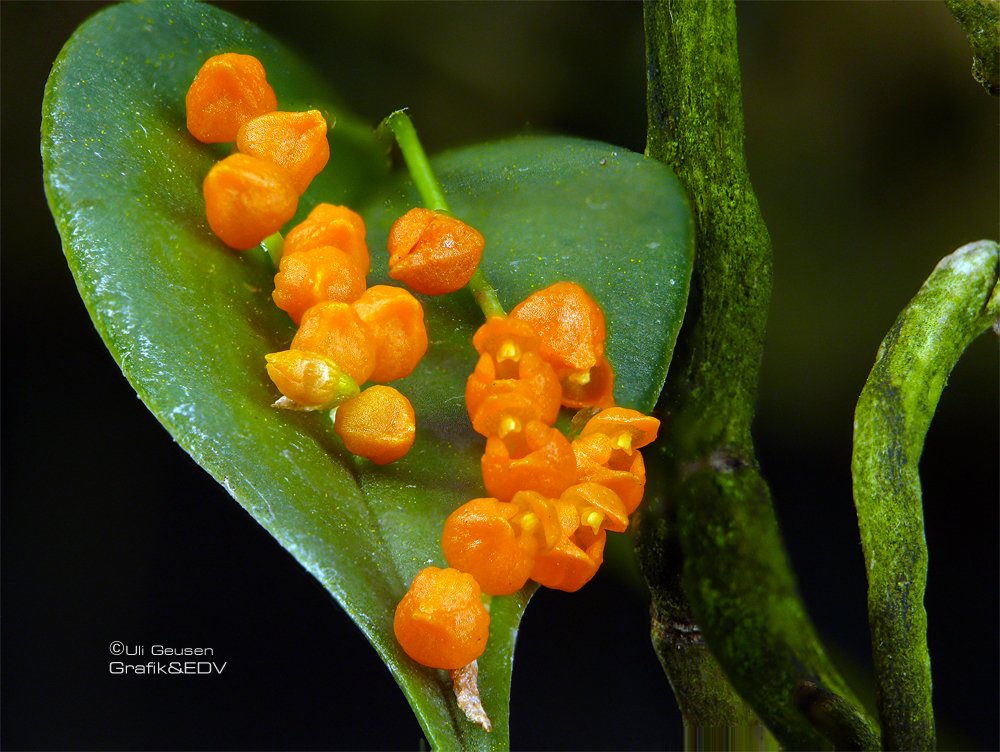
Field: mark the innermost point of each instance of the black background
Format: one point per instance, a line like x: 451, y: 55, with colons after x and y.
x: 873, y: 154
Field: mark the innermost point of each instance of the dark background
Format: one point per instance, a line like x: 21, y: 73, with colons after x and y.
x: 873, y: 154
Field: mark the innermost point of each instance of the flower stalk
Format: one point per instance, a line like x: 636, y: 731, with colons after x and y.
x: 433, y: 197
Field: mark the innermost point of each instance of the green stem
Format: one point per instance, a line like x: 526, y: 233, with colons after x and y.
x: 485, y: 295
x: 957, y: 303
x: 704, y: 695
x: 731, y: 575
x: 433, y: 198
x: 416, y: 161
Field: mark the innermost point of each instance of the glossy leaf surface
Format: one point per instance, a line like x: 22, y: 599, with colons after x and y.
x: 189, y: 321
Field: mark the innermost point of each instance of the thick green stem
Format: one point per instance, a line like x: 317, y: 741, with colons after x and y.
x: 735, y: 580
x: 704, y: 695
x: 957, y: 303
x: 433, y: 198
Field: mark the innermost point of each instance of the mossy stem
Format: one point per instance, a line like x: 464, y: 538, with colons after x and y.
x: 956, y: 304
x: 981, y: 22
x: 727, y: 570
x: 433, y: 198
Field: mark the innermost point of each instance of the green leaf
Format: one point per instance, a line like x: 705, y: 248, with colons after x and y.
x: 189, y: 321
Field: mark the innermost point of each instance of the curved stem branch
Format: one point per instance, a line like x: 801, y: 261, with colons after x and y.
x: 957, y: 303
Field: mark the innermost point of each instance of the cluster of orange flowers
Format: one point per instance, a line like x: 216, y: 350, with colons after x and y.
x: 552, y: 501
x: 348, y: 333
x: 251, y: 194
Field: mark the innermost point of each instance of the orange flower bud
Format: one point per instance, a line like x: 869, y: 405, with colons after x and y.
x: 333, y: 329
x: 433, y: 253
x: 228, y: 90
x: 247, y: 199
x: 293, y: 140
x: 315, y: 276
x: 484, y: 538
x: 308, y: 381
x: 378, y: 424
x: 394, y: 320
x: 328, y: 224
x: 539, y: 458
x: 441, y: 621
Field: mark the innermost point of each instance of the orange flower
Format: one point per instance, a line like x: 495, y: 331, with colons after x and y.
x: 571, y: 327
x: 484, y: 537
x: 441, y: 621
x: 509, y: 363
x: 505, y: 339
x: 569, y: 323
x: 333, y: 329
x: 433, y: 253
x: 544, y: 518
x: 534, y: 379
x: 328, y: 224
x: 538, y: 458
x: 567, y: 565
x: 630, y: 429
x: 501, y: 414
x: 394, y: 320
x: 607, y: 452
x: 315, y: 276
x: 378, y: 424
x: 591, y: 388
x: 599, y: 507
x: 228, y: 90
x: 600, y: 460
x: 247, y: 199
x: 293, y: 140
